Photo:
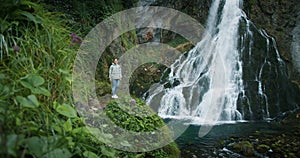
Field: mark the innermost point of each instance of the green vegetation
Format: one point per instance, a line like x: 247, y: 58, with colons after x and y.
x: 122, y: 114
x: 135, y: 115
x: 177, y: 41
x: 244, y: 147
x: 87, y: 14
x: 102, y: 88
x: 37, y: 111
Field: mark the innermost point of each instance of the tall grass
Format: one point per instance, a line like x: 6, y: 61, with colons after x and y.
x: 37, y: 114
x: 35, y: 64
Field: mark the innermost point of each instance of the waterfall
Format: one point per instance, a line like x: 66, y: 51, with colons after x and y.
x: 234, y: 73
x: 210, y: 76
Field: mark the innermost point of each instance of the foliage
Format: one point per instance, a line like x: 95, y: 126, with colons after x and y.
x: 177, y: 41
x: 12, y: 14
x: 37, y: 114
x: 87, y: 14
x: 35, y: 85
x: 122, y: 113
x: 135, y: 115
x: 102, y: 88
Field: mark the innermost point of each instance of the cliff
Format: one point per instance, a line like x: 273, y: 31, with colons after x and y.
x: 279, y: 19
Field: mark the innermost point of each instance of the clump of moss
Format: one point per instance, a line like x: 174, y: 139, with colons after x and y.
x: 244, y: 147
x: 263, y: 148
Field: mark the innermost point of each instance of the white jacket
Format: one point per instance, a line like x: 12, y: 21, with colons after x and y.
x: 115, y: 72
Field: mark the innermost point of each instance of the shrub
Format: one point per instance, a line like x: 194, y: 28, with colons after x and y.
x: 135, y: 115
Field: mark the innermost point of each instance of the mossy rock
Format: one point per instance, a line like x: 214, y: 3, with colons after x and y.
x: 262, y: 148
x: 172, y: 150
x: 244, y: 147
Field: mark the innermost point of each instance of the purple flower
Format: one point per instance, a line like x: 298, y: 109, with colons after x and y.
x: 86, y: 107
x: 103, y: 107
x: 133, y: 101
x: 75, y: 38
x: 16, y: 48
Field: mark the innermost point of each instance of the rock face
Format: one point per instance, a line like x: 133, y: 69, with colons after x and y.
x: 198, y: 9
x: 279, y: 19
x: 268, y: 91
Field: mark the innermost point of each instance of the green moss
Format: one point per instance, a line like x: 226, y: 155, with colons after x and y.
x: 222, y: 142
x: 244, y: 147
x: 172, y: 150
x: 262, y: 148
x: 292, y: 155
x: 177, y: 41
x: 296, y: 82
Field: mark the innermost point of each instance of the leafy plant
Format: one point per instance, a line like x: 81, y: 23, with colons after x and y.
x: 135, y: 115
x: 15, y: 13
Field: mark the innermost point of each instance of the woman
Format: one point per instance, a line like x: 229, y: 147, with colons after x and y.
x: 115, y: 75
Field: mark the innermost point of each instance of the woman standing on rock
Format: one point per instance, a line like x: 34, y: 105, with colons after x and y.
x: 115, y: 75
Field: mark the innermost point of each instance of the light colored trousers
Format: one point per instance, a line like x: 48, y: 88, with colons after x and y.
x: 115, y: 86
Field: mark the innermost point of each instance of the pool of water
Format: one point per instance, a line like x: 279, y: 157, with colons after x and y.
x: 194, y: 145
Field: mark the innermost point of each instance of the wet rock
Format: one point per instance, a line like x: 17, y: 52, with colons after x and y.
x: 244, y: 147
x: 262, y: 148
x: 279, y: 19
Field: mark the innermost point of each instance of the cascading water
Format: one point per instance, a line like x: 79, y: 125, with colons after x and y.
x: 210, y: 76
x: 223, y: 78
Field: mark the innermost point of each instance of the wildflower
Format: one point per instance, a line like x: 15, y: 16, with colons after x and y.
x: 103, y: 107
x: 16, y: 48
x: 133, y: 101
x: 75, y: 38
